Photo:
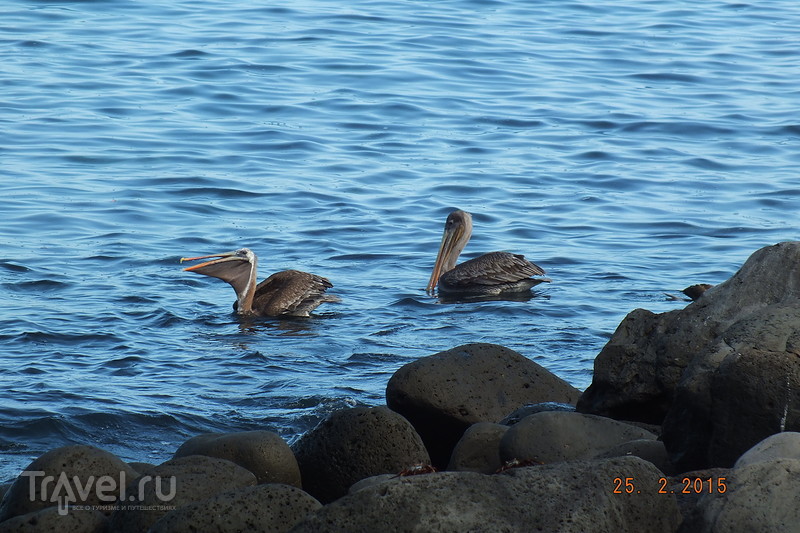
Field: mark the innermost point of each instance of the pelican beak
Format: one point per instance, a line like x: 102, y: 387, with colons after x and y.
x: 227, y: 256
x: 446, y: 258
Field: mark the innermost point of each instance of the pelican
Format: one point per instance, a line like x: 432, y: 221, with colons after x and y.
x: 486, y: 275
x: 285, y: 293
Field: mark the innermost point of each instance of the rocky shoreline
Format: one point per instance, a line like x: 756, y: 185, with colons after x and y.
x: 690, y: 424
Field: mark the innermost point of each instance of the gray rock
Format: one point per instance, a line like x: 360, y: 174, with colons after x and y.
x: 372, y: 480
x: 141, y: 467
x: 637, y: 372
x: 264, y: 453
x: 684, y: 486
x: 532, y: 409
x: 173, y: 484
x: 650, y: 450
x: 779, y: 446
x: 352, y: 444
x: 554, y: 436
x: 479, y: 449
x: 266, y: 508
x: 445, y: 393
x: 759, y: 497
x: 51, y: 520
x: 566, y: 497
x: 50, y: 480
x: 731, y: 399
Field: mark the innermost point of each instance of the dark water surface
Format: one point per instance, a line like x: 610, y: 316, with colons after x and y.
x: 629, y: 148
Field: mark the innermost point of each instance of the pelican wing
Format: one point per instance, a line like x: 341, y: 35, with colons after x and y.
x: 291, y: 292
x: 494, y: 268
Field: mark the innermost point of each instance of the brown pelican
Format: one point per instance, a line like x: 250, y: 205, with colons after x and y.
x: 487, y: 275
x: 285, y: 293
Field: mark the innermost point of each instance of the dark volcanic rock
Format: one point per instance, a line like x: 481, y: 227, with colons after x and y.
x: 759, y: 497
x: 479, y: 449
x: 173, y: 484
x: 352, y: 444
x: 779, y: 446
x: 53, y: 520
x: 723, y: 372
x: 554, y: 436
x: 266, y: 508
x: 532, y: 409
x: 443, y: 394
x: 565, y: 497
x: 734, y: 397
x: 264, y: 453
x: 636, y: 373
x: 53, y: 475
x: 650, y: 450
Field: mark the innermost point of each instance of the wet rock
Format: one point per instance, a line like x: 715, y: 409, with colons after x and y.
x: 264, y: 453
x: 50, y: 480
x: 478, y: 450
x: 779, y: 446
x: 532, y: 409
x: 637, y: 372
x: 51, y: 520
x: 173, y: 484
x: 759, y: 497
x: 550, y: 437
x: 272, y: 508
x: 352, y: 444
x: 445, y: 393
x: 566, y: 497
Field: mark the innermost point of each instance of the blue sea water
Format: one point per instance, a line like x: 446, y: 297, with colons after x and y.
x: 630, y: 148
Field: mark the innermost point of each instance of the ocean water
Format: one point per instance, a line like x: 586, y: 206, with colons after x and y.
x: 630, y: 148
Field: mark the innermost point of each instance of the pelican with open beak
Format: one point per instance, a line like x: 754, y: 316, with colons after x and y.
x: 490, y: 274
x: 285, y: 293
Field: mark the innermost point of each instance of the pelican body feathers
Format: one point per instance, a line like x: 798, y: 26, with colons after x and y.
x: 285, y: 293
x: 490, y: 274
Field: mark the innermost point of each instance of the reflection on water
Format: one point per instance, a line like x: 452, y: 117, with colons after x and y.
x: 522, y: 296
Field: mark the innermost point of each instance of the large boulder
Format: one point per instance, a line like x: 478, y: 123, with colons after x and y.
x: 566, y: 497
x: 729, y: 401
x: 266, y: 508
x: 759, y: 497
x: 445, y: 393
x: 779, y: 446
x: 70, y: 475
x: 173, y: 484
x: 352, y: 444
x: 553, y: 436
x: 637, y: 372
x: 57, y: 520
x: 478, y: 450
x: 264, y: 453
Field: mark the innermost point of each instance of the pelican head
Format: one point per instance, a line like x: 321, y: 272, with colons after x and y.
x: 237, y: 268
x: 457, y: 231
